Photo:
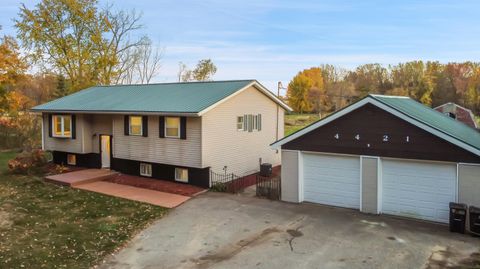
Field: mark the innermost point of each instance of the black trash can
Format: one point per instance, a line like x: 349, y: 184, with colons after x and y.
x: 458, y: 216
x: 266, y: 169
x: 474, y: 219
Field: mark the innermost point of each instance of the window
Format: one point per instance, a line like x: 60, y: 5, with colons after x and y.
x: 71, y: 159
x: 249, y: 122
x: 62, y: 126
x: 145, y: 169
x: 135, y: 127
x: 240, y: 123
x: 181, y: 174
x: 172, y: 127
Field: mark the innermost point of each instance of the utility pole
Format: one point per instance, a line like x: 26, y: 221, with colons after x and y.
x: 279, y: 87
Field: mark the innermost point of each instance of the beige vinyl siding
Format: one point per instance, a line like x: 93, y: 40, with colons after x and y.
x: 469, y: 184
x: 290, y: 172
x: 369, y: 184
x: 223, y: 145
x: 101, y: 125
x: 64, y: 144
x: 154, y: 149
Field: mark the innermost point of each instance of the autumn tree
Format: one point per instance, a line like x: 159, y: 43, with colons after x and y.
x: 77, y: 39
x: 203, y: 71
x: 12, y: 68
x: 297, y: 93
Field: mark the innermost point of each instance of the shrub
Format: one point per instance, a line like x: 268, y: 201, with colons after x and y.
x: 28, y: 162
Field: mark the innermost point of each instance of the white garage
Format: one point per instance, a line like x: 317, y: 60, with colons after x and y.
x: 384, y: 155
x: 419, y: 190
x: 332, y: 180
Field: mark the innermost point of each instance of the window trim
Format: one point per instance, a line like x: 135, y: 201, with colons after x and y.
x: 181, y: 179
x: 130, y: 125
x: 147, y: 172
x: 178, y: 128
x: 62, y: 126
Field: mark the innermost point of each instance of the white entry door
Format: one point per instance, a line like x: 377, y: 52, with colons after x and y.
x: 105, y: 147
x: 332, y: 180
x: 418, y: 189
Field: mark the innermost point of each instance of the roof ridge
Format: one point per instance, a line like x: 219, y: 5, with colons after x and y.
x: 180, y: 82
x: 389, y: 96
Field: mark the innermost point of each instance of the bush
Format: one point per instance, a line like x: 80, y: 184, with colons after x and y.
x: 28, y: 162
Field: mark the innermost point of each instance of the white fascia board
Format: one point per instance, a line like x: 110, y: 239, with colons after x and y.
x: 379, y: 104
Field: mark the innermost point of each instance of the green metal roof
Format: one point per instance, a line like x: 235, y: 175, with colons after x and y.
x: 432, y: 118
x: 188, y: 97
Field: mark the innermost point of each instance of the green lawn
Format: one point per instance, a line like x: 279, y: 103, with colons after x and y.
x: 295, y: 122
x: 47, y: 226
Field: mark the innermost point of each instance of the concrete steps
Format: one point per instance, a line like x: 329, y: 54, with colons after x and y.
x: 80, y: 177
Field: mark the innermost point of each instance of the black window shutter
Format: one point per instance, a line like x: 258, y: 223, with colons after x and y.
x: 145, y: 126
x: 50, y: 125
x: 183, y: 128
x: 74, y: 127
x: 126, y: 124
x: 161, y: 127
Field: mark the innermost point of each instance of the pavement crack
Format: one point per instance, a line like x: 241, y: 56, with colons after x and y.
x: 294, y: 233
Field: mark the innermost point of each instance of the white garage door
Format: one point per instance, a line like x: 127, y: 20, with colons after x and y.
x: 332, y: 180
x: 418, y: 189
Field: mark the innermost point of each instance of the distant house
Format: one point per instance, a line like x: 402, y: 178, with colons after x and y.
x: 171, y: 131
x: 459, y: 113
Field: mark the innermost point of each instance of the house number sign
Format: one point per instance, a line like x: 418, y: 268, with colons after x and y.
x: 384, y: 137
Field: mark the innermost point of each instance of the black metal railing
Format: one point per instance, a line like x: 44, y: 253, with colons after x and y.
x: 269, y: 187
x: 226, y: 182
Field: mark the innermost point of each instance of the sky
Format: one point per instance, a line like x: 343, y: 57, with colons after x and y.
x: 271, y: 40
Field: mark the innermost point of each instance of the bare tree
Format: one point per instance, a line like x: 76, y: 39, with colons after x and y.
x: 149, y: 62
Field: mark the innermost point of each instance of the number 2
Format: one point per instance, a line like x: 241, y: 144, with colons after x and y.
x: 385, y: 138
x: 357, y: 137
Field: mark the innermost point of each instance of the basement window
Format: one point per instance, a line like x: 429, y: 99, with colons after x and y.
x: 181, y: 174
x: 145, y: 169
x: 71, y: 159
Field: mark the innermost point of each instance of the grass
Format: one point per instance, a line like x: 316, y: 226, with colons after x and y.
x: 48, y: 226
x: 295, y: 122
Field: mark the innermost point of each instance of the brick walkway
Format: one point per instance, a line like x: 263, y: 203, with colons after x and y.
x: 156, y: 184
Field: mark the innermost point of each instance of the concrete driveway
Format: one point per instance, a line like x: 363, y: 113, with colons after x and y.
x: 217, y: 230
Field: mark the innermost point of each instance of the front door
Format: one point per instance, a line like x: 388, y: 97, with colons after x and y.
x: 105, y: 150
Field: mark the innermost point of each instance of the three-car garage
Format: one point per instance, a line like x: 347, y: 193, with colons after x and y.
x: 384, y: 155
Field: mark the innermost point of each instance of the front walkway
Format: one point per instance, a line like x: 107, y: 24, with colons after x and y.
x: 79, y: 177
x: 156, y: 192
x: 158, y: 198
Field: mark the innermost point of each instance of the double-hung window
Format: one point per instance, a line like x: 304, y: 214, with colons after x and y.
x: 135, y: 125
x: 62, y: 125
x: 172, y: 127
x: 240, y: 123
x: 145, y: 169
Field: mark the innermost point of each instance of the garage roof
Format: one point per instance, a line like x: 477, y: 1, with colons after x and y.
x: 181, y: 98
x: 412, y: 111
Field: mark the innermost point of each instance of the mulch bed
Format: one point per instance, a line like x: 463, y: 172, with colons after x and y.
x: 156, y: 184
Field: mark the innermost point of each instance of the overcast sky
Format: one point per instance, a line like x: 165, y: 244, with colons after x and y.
x: 272, y: 40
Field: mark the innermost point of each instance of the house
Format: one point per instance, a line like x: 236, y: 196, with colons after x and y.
x: 384, y: 154
x: 171, y: 131
x: 459, y: 113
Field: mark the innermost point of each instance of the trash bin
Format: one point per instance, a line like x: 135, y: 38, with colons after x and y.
x: 458, y: 216
x: 474, y: 219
